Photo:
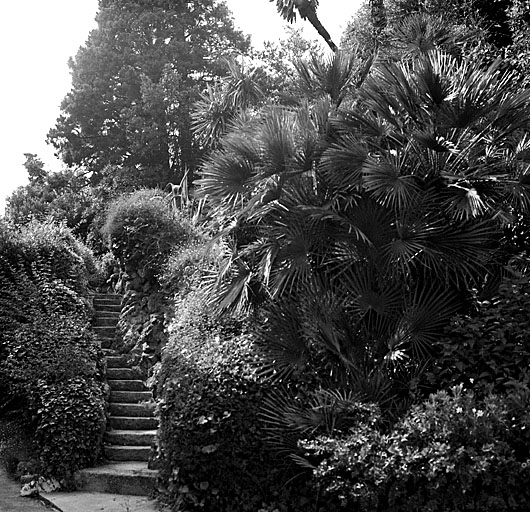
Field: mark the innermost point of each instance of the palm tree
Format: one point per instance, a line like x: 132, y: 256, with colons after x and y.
x: 361, y: 222
x: 307, y: 9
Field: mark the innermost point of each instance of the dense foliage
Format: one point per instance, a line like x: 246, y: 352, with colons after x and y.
x: 358, y: 325
x: 360, y: 220
x: 141, y: 229
x: 50, y: 365
x: 127, y: 117
x: 62, y: 196
x: 364, y: 226
x: 451, y: 453
x: 488, y: 349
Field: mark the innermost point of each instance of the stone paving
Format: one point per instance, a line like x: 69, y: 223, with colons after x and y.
x: 11, y: 501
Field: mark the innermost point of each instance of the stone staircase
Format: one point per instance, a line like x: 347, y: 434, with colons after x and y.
x: 132, y: 423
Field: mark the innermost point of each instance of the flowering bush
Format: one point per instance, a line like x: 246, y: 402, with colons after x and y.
x: 451, y: 453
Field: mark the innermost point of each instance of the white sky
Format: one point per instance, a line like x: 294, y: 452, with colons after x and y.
x: 36, y: 39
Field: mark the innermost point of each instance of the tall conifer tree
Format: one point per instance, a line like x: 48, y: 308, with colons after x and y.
x: 133, y: 84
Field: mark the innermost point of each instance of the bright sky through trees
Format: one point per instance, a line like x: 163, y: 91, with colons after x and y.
x: 36, y: 40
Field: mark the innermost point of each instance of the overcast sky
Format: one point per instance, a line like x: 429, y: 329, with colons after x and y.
x: 36, y: 39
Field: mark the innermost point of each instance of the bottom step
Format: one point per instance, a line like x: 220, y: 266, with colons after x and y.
x: 91, y: 501
x: 118, y: 478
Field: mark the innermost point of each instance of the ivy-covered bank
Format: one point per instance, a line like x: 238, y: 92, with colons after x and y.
x: 52, y: 392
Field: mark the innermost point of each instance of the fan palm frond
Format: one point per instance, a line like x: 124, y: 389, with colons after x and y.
x: 370, y: 292
x: 242, y: 86
x: 333, y: 77
x: 277, y: 140
x: 281, y: 340
x: 342, y: 164
x: 307, y: 9
x: 211, y: 116
x: 388, y: 184
x: 226, y: 177
x: 420, y: 33
x: 426, y: 312
x: 293, y: 264
x: 325, y: 412
x: 462, y: 250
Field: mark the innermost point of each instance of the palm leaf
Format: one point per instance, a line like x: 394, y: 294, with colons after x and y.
x: 427, y: 311
x: 383, y: 177
x: 226, y: 177
x: 281, y: 341
x: 341, y: 165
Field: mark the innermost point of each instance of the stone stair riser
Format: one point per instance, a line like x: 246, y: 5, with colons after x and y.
x: 130, y: 397
x: 121, y: 374
x: 110, y: 297
x: 132, y: 423
x: 125, y: 385
x: 105, y: 321
x: 116, y: 361
x: 130, y: 437
x: 110, y: 308
x: 115, y: 483
x: 134, y: 410
x: 125, y: 453
x: 106, y: 304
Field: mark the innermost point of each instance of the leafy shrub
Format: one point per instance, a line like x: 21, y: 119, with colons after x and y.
x: 212, y: 452
x: 452, y: 453
x: 71, y: 424
x: 141, y: 230
x: 46, y: 345
x: 185, y: 267
x: 52, y: 245
x: 489, y: 349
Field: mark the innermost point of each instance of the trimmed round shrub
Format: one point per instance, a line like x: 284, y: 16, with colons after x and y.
x: 141, y: 230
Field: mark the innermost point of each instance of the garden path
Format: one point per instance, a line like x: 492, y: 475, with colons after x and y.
x: 11, y: 501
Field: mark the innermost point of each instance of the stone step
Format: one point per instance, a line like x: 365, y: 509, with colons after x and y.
x: 131, y: 423
x: 119, y: 478
x: 108, y: 296
x: 121, y: 374
x: 130, y: 397
x: 117, y: 361
x: 104, y: 331
x: 125, y: 453
x: 84, y: 501
x: 102, y: 321
x: 130, y: 437
x: 113, y: 305
x: 126, y: 385
x: 110, y: 308
x: 134, y: 410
